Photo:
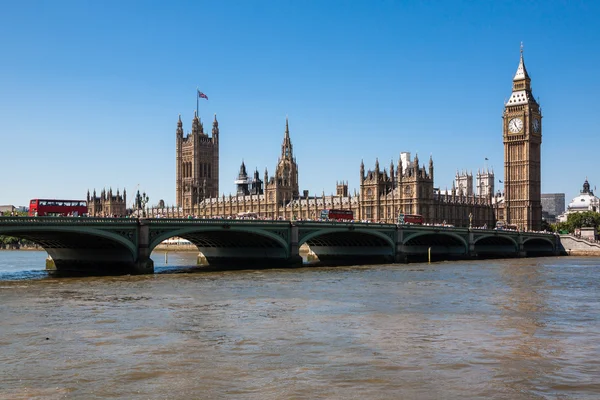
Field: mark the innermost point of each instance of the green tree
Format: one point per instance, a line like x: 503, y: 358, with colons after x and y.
x: 579, y: 220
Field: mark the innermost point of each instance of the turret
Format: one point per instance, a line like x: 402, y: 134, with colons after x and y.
x: 416, y: 165
x: 195, y: 124
x: 362, y: 171
x: 431, y: 167
x: 215, y: 130
x: 179, y: 131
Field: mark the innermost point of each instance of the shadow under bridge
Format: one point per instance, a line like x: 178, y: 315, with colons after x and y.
x: 349, y: 245
x: 81, y: 249
x: 442, y: 245
x: 234, y: 245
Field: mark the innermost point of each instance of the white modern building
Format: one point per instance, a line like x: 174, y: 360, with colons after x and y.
x: 586, y: 201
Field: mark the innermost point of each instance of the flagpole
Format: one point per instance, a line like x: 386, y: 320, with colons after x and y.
x: 197, y: 96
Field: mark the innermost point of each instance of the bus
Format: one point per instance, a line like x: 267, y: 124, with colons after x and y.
x: 57, y: 208
x: 502, y: 225
x: 337, y: 215
x: 415, y: 219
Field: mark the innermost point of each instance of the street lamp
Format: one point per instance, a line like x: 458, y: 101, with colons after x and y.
x: 470, y: 220
x: 140, y: 202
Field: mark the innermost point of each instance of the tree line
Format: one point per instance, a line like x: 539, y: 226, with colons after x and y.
x: 577, y: 221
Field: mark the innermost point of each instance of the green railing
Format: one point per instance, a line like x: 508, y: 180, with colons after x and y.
x: 66, y: 220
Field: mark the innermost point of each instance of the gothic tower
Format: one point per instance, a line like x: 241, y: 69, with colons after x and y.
x: 197, y: 164
x: 284, y: 185
x: 464, y: 183
x: 522, y: 134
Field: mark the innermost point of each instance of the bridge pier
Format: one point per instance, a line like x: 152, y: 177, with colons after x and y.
x: 143, y: 264
x: 471, y: 254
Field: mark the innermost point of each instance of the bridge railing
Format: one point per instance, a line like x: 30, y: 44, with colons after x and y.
x: 215, y: 221
x: 66, y: 220
x: 343, y: 224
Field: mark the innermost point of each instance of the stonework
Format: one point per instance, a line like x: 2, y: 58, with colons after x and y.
x: 406, y: 188
x: 197, y: 165
x: 107, y: 204
x: 268, y: 198
x: 410, y: 190
x: 522, y: 133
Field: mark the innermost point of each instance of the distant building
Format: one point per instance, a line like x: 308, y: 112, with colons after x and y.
x: 107, y: 204
x: 586, y: 201
x: 553, y: 205
x: 4, y: 209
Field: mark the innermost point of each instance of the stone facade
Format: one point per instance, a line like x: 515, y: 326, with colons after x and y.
x: 107, y: 204
x: 406, y: 188
x: 522, y: 136
x: 197, y: 164
x: 410, y: 190
x: 267, y: 198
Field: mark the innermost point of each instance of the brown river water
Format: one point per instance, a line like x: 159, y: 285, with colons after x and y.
x: 485, y: 329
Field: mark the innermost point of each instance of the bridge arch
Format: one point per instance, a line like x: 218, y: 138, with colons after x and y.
x: 46, y: 235
x: 83, y: 249
x: 503, y: 238
x: 188, y: 232
x: 327, y: 231
x: 346, y: 245
x: 441, y: 233
x: 535, y: 245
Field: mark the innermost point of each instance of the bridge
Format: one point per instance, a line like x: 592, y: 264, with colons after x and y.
x: 124, y: 245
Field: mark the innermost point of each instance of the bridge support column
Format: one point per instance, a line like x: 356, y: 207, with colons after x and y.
x: 471, y: 253
x: 400, y: 255
x: 143, y: 263
x: 521, y: 246
x: 295, y: 258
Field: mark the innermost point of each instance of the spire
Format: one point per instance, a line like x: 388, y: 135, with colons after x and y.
x: 287, y: 128
x: 179, y: 131
x: 521, y: 70
x: 286, y: 146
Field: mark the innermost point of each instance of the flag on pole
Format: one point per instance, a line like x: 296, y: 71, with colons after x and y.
x: 202, y: 95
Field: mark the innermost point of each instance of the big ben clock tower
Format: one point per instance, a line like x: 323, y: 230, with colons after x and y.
x: 522, y: 136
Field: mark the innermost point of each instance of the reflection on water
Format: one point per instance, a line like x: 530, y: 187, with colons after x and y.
x: 493, y: 329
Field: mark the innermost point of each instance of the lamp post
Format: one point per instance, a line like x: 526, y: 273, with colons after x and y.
x: 470, y: 220
x: 140, y: 201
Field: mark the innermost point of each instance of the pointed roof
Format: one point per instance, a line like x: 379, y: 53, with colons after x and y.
x: 521, y: 70
x: 287, y: 128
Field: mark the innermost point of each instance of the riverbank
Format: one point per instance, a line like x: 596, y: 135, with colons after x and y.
x: 23, y: 248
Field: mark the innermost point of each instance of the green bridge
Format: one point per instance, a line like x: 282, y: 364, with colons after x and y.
x: 124, y: 245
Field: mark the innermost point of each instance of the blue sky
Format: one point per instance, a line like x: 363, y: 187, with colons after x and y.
x: 91, y: 91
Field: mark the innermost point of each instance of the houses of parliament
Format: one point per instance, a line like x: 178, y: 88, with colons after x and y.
x: 406, y: 187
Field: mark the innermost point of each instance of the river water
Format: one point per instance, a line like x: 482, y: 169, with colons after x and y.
x: 493, y: 329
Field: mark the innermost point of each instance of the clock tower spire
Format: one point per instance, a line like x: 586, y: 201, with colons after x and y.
x: 522, y: 137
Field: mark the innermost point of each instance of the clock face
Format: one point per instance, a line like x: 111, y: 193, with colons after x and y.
x: 515, y: 125
x: 536, y: 125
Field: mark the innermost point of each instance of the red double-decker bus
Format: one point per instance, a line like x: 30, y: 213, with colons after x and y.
x: 410, y: 219
x: 339, y: 215
x: 57, y: 208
